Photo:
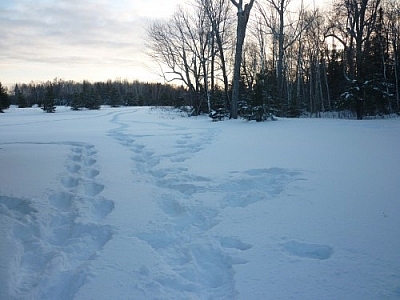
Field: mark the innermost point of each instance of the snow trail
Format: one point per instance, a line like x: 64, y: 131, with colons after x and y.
x: 196, y: 261
x: 55, y: 240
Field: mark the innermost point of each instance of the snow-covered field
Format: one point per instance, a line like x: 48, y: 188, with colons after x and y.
x: 140, y: 203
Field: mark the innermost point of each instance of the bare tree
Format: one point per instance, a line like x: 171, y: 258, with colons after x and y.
x: 168, y: 49
x: 243, y: 15
x: 314, y: 44
x: 285, y: 31
x: 180, y: 46
x: 218, y: 14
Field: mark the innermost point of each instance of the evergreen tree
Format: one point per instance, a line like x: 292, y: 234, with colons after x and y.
x: 22, y: 103
x: 265, y: 93
x: 90, y: 99
x: 48, y: 102
x: 377, y: 84
x: 336, y: 81
x: 21, y: 99
x: 77, y: 102
x: 4, y: 100
x: 115, y: 97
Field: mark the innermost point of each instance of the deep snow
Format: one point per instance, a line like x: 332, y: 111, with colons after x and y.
x: 140, y: 203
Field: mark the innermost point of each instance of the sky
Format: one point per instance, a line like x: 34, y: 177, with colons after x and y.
x: 76, y: 40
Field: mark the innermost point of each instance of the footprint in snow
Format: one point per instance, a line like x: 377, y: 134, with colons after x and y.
x: 313, y: 251
x: 234, y: 243
x: 53, y: 246
x: 74, y: 168
x: 62, y: 200
x: 255, y: 185
x: 92, y: 188
x: 76, y: 157
x: 89, y: 162
x: 69, y: 182
x: 91, y: 173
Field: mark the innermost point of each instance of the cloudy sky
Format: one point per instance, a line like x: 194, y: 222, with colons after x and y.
x: 77, y: 39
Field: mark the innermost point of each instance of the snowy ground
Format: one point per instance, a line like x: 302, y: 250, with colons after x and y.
x: 139, y: 203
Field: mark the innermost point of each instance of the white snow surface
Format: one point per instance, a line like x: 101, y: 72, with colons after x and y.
x: 141, y: 203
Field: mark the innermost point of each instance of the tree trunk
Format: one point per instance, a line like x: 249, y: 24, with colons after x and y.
x: 396, y: 72
x: 281, y: 50
x: 223, y: 65
x: 327, y: 85
x: 243, y: 18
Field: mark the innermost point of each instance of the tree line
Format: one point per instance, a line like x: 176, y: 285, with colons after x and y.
x: 288, y: 58
x: 80, y: 95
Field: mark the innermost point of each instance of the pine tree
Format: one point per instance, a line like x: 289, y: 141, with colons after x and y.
x: 115, y: 97
x: 4, y: 101
x: 48, y: 103
x: 90, y: 99
x: 377, y: 84
x: 22, y: 103
x: 336, y: 80
x: 77, y: 102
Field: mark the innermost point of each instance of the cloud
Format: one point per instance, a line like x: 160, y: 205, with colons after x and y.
x: 59, y: 34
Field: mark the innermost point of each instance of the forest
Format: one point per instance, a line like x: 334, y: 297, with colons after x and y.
x: 297, y: 59
x: 284, y: 57
x: 87, y: 95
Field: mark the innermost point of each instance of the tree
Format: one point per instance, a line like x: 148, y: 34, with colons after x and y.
x: 393, y: 16
x: 115, y: 97
x: 179, y: 47
x: 90, y: 99
x: 77, y: 102
x: 48, y: 102
x: 286, y: 29
x: 277, y: 29
x: 243, y: 15
x: 218, y: 14
x: 4, y: 101
x: 359, y: 18
x: 20, y: 97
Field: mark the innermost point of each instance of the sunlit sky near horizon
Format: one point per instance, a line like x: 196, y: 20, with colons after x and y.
x: 93, y: 40
x: 75, y: 40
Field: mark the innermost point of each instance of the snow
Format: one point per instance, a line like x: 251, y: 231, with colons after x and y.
x: 141, y: 203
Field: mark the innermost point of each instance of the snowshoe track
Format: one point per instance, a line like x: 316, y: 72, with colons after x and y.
x: 53, y: 256
x: 200, y: 261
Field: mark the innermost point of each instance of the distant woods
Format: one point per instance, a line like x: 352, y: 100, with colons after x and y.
x: 87, y: 95
x: 296, y: 59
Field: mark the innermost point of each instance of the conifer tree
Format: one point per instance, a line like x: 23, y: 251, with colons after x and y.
x: 77, y: 102
x: 90, y: 99
x: 22, y: 103
x: 4, y: 101
x: 48, y: 102
x: 115, y: 97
